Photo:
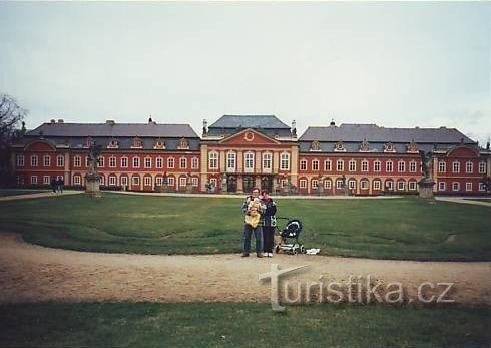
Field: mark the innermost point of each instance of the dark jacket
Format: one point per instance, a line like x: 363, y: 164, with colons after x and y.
x: 269, y: 217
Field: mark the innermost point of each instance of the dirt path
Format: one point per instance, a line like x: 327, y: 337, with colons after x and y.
x: 30, y: 273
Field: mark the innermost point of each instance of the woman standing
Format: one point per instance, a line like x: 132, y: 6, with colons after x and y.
x: 269, y: 224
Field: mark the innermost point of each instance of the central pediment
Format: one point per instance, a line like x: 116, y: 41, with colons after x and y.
x: 249, y: 136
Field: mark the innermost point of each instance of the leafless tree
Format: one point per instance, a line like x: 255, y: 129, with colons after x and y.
x: 11, y: 115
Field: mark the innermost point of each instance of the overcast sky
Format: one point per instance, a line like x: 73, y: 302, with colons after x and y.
x: 394, y: 64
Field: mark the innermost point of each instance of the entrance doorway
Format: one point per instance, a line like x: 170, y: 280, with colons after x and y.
x: 231, y: 184
x: 267, y: 184
x: 248, y: 184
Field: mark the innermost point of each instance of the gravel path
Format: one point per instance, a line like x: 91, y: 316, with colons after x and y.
x: 30, y: 273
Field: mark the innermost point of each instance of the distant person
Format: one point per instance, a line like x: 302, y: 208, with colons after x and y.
x: 53, y: 184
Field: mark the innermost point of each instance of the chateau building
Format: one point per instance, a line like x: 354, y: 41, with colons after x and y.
x: 239, y: 152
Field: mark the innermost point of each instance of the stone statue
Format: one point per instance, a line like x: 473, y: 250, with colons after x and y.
x: 426, y: 183
x: 92, y: 177
x: 427, y: 164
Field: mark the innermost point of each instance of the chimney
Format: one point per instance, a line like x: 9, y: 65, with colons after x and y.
x: 294, y: 128
x: 150, y: 119
x: 332, y: 123
x: 111, y: 122
x: 52, y: 121
x: 205, y: 126
x: 60, y: 120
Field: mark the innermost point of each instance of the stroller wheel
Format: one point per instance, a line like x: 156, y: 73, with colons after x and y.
x: 277, y: 249
x: 302, y: 250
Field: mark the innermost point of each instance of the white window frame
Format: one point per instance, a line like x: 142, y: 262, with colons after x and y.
x: 183, y: 162
x: 34, y: 160
x: 194, y: 163
x: 77, y: 180
x: 455, y: 167
x: 249, y: 161
x: 135, y: 181
x: 124, y: 180
x: 468, y: 187
x: 303, y: 183
x: 455, y: 186
x: 77, y: 161
x: 194, y: 181
x: 327, y: 184
x: 135, y: 162
x: 20, y: 160
x: 377, y: 166
x: 482, y: 187
x: 231, y: 161
x: 182, y: 181
x: 413, y: 165
x: 364, y: 184
x: 411, y: 186
x: 389, y: 166
x: 315, y: 164
x: 112, y: 162
x: 112, y: 180
x: 352, y: 165
x: 365, y: 166
x: 124, y: 162
x: 100, y: 162
x: 377, y: 185
x: 401, y: 185
x: 303, y: 164
x: 213, y: 160
x: 267, y: 161
x: 60, y: 161
x: 159, y: 162
x: 401, y: 166
x: 147, y: 162
x: 340, y: 165
x: 46, y: 160
x: 352, y: 184
x: 389, y: 185
x: 442, y: 186
x: 46, y: 180
x: 442, y: 166
x: 469, y: 167
x: 171, y: 181
x: 339, y: 184
x: 170, y: 162
x: 34, y: 180
x: 285, y: 161
x: 482, y: 167
x: 147, y: 181
x: 159, y: 181
x: 327, y: 165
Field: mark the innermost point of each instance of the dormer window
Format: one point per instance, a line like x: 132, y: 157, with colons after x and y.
x: 137, y: 143
x: 315, y: 146
x: 339, y: 146
x: 159, y: 144
x: 412, y: 147
x: 183, y: 144
x: 365, y: 146
x: 113, y: 144
x: 389, y: 147
x: 89, y: 142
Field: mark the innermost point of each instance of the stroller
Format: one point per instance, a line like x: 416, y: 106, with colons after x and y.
x: 292, y: 230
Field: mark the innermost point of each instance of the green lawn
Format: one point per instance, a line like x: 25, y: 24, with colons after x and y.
x: 239, y: 325
x: 405, y: 228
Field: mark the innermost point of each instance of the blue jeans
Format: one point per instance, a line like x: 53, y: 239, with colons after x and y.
x: 258, y: 234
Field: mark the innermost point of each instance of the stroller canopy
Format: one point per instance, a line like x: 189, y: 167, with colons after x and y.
x: 292, y: 229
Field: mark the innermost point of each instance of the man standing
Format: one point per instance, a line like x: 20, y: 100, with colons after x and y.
x: 252, y: 207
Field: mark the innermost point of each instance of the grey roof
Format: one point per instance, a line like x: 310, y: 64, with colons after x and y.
x: 374, y: 133
x: 249, y: 121
x: 117, y: 130
x: 378, y: 147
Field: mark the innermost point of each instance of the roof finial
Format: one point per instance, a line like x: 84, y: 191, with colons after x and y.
x: 332, y: 122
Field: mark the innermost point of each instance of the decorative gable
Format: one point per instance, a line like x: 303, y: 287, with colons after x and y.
x: 365, y: 146
x: 137, y: 143
x: 339, y: 146
x: 183, y: 144
x: 159, y: 144
x: 248, y: 137
x: 315, y: 146
x: 412, y: 147
x: 113, y: 144
x: 389, y: 147
x: 89, y: 142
